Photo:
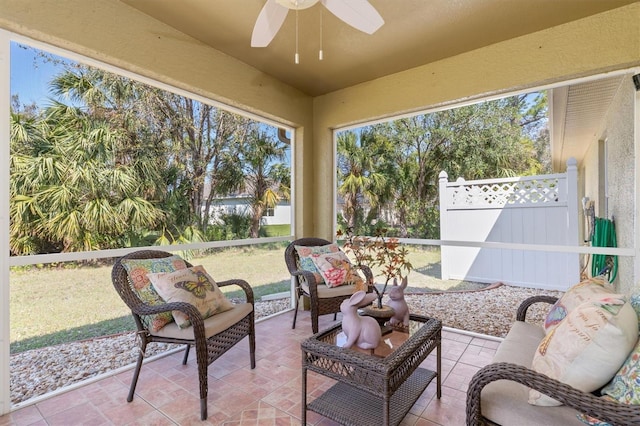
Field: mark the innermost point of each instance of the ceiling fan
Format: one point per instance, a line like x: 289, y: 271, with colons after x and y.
x: 357, y: 13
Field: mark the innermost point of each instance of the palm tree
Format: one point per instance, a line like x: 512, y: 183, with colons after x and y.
x: 363, y: 171
x: 68, y: 190
x: 266, y: 177
x: 179, y: 146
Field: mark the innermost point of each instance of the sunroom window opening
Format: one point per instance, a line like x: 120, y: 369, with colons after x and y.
x: 454, y: 180
x: 102, y: 163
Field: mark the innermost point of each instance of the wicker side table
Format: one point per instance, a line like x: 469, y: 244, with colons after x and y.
x: 378, y: 388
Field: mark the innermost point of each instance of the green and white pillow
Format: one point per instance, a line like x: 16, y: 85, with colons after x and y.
x: 306, y: 252
x: 138, y: 269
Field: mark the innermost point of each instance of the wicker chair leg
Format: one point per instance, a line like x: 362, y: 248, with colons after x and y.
x: 314, y: 320
x: 203, y: 408
x: 186, y: 355
x: 295, y: 313
x: 252, y: 346
x: 203, y: 366
x: 136, y: 373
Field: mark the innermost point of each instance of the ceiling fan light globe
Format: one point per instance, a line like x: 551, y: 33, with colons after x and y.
x: 297, y: 4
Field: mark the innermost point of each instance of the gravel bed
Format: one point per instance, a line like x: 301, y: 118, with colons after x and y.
x: 489, y: 312
x: 44, y: 370
x: 40, y: 371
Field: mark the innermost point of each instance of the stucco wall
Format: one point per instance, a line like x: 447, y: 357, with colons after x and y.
x: 110, y: 31
x: 590, y: 178
x: 618, y: 134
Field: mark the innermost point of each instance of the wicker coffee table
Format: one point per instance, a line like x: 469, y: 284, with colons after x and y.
x: 378, y: 388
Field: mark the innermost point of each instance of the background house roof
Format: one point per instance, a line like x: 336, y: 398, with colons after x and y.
x: 416, y: 32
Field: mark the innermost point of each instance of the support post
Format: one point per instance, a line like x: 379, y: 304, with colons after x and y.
x: 5, y: 96
x: 573, y: 214
x: 443, y: 179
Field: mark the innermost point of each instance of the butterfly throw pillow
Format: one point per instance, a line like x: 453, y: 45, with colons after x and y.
x: 192, y: 285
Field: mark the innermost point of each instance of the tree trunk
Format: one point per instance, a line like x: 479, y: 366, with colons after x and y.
x: 255, y: 221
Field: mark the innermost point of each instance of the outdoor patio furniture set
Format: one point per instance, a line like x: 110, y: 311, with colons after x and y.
x: 539, y: 375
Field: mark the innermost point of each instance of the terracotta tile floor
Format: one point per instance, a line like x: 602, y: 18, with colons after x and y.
x: 167, y: 391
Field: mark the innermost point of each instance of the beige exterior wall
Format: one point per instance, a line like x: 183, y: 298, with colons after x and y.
x: 618, y: 134
x: 589, y: 180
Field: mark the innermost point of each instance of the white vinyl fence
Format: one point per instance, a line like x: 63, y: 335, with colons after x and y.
x: 536, y: 210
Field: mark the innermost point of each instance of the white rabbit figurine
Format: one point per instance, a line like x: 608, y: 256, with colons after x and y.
x: 362, y: 331
x: 399, y: 305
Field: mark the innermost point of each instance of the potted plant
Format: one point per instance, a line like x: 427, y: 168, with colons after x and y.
x: 384, y: 255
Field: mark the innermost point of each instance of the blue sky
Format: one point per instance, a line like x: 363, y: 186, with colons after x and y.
x: 30, y: 74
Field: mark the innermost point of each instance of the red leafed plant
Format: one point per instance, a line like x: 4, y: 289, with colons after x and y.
x: 382, y: 253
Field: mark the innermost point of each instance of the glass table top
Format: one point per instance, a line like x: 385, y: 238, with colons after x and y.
x: 388, y: 343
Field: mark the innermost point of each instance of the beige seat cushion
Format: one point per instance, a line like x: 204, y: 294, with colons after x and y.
x: 326, y: 292
x: 212, y: 325
x: 505, y: 402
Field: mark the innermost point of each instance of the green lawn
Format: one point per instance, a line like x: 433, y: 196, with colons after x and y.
x: 276, y: 230
x: 51, y: 306
x: 56, y: 305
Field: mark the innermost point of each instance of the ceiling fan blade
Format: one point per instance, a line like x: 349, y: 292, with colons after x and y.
x: 357, y: 13
x: 268, y: 23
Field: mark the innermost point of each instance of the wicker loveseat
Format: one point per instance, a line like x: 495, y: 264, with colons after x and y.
x: 498, y: 393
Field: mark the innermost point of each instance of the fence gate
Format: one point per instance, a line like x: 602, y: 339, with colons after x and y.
x: 536, y: 210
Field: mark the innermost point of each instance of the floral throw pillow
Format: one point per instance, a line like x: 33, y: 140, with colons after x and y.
x: 305, y: 253
x: 138, y: 270
x: 592, y: 421
x: 193, y: 286
x: 625, y: 386
x: 336, y: 269
x: 634, y: 299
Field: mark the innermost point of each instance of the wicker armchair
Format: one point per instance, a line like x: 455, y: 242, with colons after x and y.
x: 211, y: 337
x: 323, y: 300
x: 583, y: 402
